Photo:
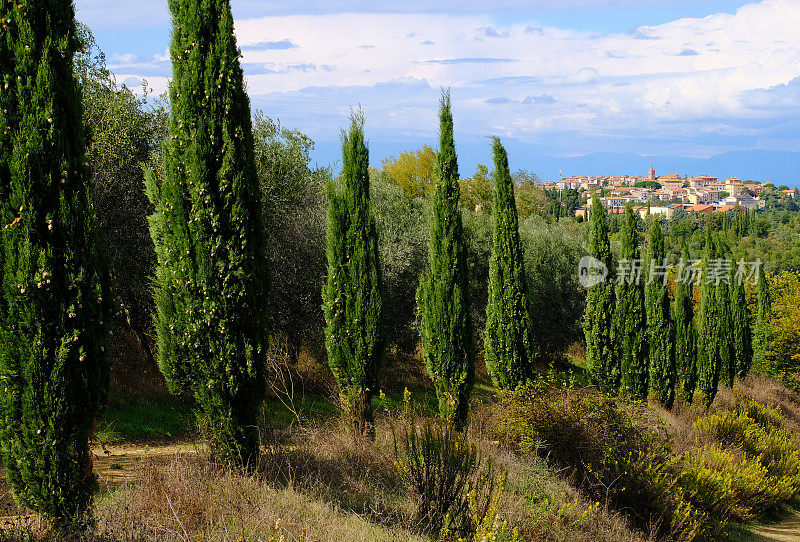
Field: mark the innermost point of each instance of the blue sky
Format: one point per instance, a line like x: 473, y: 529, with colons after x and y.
x: 612, y: 79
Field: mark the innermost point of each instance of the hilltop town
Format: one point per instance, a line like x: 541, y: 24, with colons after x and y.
x: 665, y: 194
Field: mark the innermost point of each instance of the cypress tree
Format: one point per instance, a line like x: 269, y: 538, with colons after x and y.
x: 725, y: 334
x: 211, y: 275
x: 660, y: 330
x: 443, y: 293
x: 598, y: 318
x: 741, y: 334
x: 53, y: 372
x: 629, y: 315
x: 685, y: 335
x: 508, y: 325
x: 352, y: 294
x: 762, y: 334
x: 708, y: 354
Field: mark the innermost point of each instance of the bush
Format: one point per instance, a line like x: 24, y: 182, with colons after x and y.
x: 449, y: 483
x: 727, y: 487
x: 752, y: 467
x: 612, y: 450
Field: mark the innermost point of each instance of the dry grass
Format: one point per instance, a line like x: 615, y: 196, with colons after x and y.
x: 320, y: 482
x: 680, y: 420
x: 189, y: 498
x: 326, y: 485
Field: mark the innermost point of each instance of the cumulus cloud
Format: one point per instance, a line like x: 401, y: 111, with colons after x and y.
x: 691, y: 78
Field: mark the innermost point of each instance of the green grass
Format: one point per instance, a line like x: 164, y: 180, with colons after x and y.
x: 318, y: 407
x: 309, y: 407
x: 134, y: 422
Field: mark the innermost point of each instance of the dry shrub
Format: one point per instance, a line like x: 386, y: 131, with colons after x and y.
x: 450, y: 484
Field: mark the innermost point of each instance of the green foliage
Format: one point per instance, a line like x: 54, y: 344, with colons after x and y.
x: 403, y: 246
x: 530, y: 197
x: 782, y: 357
x: 741, y: 334
x: 762, y: 332
x: 660, y: 328
x: 556, y: 299
x: 708, y: 354
x: 211, y: 278
x: 629, y: 315
x: 598, y: 318
x: 648, y: 184
x: 685, y: 335
x: 450, y: 486
x: 353, y: 292
x: 724, y: 323
x: 54, y: 294
x: 476, y: 191
x: 294, y: 227
x: 125, y: 131
x: 443, y: 294
x: 508, y: 327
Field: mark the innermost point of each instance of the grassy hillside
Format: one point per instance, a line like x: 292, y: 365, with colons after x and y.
x: 554, y: 461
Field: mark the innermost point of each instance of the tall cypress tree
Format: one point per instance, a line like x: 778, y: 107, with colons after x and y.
x: 685, y: 334
x: 708, y: 354
x: 725, y: 334
x: 353, y: 292
x: 211, y: 276
x: 53, y: 372
x: 598, y: 317
x: 629, y: 315
x: 443, y: 294
x: 660, y: 330
x: 762, y: 335
x: 741, y: 333
x: 508, y: 324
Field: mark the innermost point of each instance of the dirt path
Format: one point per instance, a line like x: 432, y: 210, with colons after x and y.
x: 787, y: 530
x: 115, y: 465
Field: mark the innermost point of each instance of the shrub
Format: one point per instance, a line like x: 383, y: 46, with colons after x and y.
x: 715, y: 480
x: 752, y: 467
x: 449, y: 483
x: 610, y: 448
x: 490, y: 525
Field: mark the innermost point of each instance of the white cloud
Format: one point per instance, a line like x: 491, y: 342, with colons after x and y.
x: 686, y: 70
x: 691, y: 78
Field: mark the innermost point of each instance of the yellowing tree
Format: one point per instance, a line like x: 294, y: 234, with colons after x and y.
x: 477, y: 190
x: 412, y: 170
